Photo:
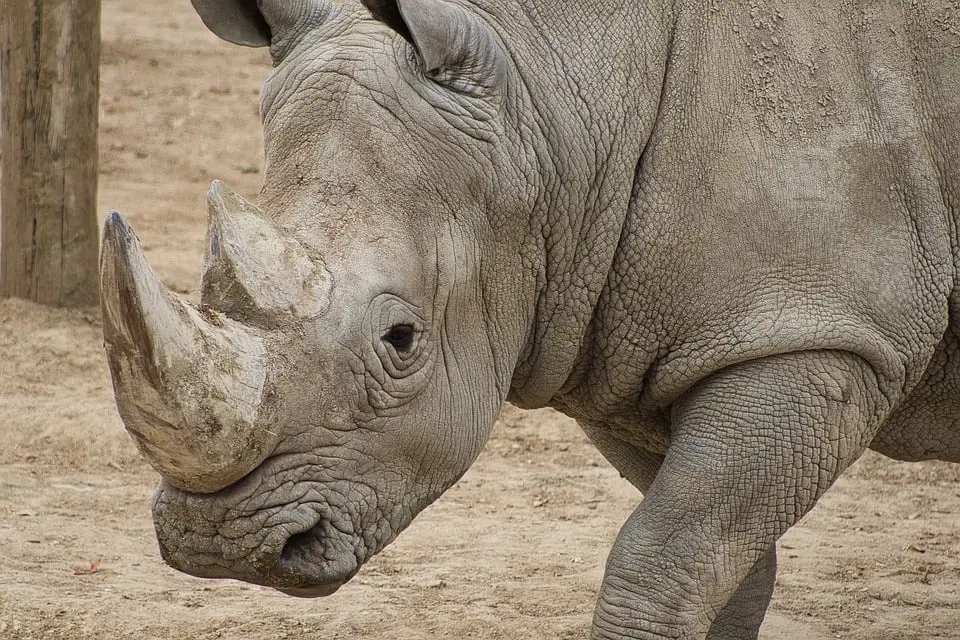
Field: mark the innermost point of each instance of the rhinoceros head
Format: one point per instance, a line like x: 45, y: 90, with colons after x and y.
x: 349, y: 356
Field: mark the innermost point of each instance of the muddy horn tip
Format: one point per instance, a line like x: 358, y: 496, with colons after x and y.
x: 116, y: 227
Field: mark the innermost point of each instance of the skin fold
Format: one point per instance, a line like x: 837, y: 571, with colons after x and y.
x: 721, y: 235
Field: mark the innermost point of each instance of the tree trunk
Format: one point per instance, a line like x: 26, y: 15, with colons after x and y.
x: 49, y: 90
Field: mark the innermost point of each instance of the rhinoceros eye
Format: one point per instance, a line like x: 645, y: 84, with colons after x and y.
x: 400, y: 337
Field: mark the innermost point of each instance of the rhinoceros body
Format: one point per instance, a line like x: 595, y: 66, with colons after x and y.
x: 721, y: 235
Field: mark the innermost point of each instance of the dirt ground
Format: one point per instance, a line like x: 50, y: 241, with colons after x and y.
x: 514, y: 551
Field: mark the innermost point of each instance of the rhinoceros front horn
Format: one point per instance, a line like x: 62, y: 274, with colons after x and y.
x: 188, y: 383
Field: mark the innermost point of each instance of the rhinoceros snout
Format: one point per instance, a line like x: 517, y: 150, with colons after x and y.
x: 302, y: 554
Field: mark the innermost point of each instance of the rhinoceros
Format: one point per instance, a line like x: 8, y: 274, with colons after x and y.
x: 722, y: 236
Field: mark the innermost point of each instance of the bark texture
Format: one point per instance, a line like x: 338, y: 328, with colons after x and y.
x: 49, y: 78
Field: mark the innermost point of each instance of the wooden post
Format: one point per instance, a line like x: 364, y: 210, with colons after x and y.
x: 49, y: 90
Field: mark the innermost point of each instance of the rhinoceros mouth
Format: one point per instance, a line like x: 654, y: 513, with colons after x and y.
x: 319, y: 591
x: 310, y: 559
x: 311, y: 564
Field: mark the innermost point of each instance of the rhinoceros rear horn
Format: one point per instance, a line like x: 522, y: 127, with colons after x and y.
x: 253, y: 271
x: 188, y: 384
x: 455, y: 45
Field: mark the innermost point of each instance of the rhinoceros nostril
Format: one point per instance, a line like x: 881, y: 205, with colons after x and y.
x: 303, y: 550
x: 315, y: 562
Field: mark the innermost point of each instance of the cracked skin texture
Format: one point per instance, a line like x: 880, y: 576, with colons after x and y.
x: 755, y: 228
x: 722, y: 235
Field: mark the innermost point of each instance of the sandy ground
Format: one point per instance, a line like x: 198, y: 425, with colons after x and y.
x: 514, y: 551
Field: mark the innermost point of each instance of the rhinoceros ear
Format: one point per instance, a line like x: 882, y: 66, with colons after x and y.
x: 388, y: 12
x: 456, y: 47
x: 236, y: 21
x: 258, y: 23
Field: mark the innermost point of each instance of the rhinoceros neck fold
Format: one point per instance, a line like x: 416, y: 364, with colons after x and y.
x: 594, y: 128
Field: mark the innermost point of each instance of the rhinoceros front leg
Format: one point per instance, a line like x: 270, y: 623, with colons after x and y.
x: 753, y: 447
x: 741, y: 617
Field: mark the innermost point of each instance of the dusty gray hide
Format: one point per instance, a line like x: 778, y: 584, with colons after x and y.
x: 722, y: 238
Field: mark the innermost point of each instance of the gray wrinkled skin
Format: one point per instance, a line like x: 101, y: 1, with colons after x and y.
x: 722, y: 236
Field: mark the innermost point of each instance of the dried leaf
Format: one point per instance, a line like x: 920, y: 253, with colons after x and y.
x: 94, y: 567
